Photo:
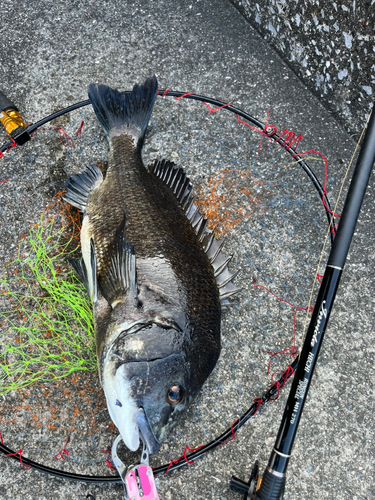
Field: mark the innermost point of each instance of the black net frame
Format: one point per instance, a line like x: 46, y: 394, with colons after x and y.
x: 271, y: 133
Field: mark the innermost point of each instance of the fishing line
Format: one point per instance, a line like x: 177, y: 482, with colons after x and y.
x: 329, y: 230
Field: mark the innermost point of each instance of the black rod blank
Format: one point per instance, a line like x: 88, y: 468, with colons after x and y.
x: 273, y: 484
x: 354, y: 198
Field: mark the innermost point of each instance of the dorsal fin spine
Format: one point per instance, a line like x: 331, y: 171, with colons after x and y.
x: 214, y: 249
x: 184, y: 195
x: 228, y: 290
x: 207, y: 240
x: 187, y: 188
x: 199, y: 229
x: 192, y: 210
x: 176, y: 188
x: 166, y: 174
x: 189, y: 208
x: 171, y: 177
x: 220, y: 266
x: 175, y: 180
x: 154, y: 168
x: 224, y: 277
x: 197, y: 220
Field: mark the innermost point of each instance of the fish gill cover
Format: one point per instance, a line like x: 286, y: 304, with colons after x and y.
x: 256, y: 197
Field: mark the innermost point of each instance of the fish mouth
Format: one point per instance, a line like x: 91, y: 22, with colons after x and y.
x: 128, y: 416
x: 145, y: 431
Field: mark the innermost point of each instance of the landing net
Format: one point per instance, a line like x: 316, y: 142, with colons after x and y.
x: 257, y: 198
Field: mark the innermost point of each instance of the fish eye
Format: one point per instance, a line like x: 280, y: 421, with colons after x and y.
x: 175, y: 394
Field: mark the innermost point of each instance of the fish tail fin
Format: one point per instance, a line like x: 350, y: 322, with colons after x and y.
x: 124, y: 113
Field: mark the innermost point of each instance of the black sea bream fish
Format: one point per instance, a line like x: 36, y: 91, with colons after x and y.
x: 153, y: 270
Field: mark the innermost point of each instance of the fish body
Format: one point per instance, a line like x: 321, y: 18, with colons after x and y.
x: 149, y: 266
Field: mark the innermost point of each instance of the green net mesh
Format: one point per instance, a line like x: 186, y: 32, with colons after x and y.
x: 48, y: 326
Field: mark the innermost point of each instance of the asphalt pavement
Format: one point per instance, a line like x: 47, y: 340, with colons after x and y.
x: 50, y: 52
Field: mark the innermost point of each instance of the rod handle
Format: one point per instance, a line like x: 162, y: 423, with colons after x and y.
x: 6, y: 103
x: 272, y: 486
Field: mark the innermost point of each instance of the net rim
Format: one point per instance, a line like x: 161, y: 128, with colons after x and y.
x: 267, y: 131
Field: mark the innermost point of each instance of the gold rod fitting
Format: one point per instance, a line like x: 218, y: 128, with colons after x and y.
x: 11, y: 120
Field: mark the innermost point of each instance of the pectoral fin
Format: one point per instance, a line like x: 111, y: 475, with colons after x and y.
x: 119, y: 279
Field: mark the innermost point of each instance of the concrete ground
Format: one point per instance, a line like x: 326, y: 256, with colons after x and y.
x: 50, y: 53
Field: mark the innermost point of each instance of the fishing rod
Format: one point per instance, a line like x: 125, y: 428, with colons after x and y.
x: 271, y: 486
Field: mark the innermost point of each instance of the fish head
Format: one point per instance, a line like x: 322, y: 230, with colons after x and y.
x: 147, y: 379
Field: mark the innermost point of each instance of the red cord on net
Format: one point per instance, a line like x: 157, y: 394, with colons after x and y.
x: 65, y: 138
x: 233, y: 433
x: 278, y: 298
x: 290, y: 350
x: 212, y: 110
x: 285, y: 376
x: 183, y: 456
x: 19, y: 452
x: 12, y: 144
x: 269, y: 130
x: 165, y: 92
x: 184, y: 95
x: 325, y: 176
x: 261, y: 136
x: 108, y: 462
x: 6, y: 180
x: 290, y: 139
x: 259, y: 402
x: 64, y: 451
x: 199, y: 447
x: 79, y: 131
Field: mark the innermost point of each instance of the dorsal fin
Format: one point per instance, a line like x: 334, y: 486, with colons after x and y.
x: 175, y: 178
